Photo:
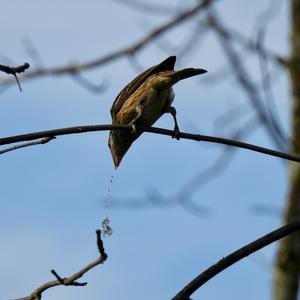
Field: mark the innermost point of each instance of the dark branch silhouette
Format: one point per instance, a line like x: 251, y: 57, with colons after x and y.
x: 234, y: 257
x: 156, y: 130
x: 14, y: 71
x: 70, y: 281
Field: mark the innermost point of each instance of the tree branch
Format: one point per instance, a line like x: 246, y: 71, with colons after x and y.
x: 37, y: 294
x: 38, y: 142
x: 14, y: 71
x: 69, y: 69
x: 234, y: 257
x: 156, y: 130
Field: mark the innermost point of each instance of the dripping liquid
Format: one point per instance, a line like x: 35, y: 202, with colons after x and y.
x: 106, y: 227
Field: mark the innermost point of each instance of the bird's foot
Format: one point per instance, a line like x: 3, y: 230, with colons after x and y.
x: 176, y: 133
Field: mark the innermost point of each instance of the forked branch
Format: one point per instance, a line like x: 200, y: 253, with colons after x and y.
x: 70, y: 281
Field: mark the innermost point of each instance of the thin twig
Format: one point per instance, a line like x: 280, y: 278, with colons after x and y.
x: 267, y: 89
x: 37, y: 294
x: 148, y: 7
x: 71, y: 68
x: 234, y: 257
x: 243, y: 78
x: 14, y: 71
x: 88, y: 85
x: 38, y: 142
x: 156, y: 130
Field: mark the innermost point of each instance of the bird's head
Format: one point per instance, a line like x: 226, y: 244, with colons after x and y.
x: 119, y: 143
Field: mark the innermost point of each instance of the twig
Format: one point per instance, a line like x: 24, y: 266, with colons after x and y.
x: 234, y: 257
x: 267, y: 89
x: 14, y: 71
x: 67, y: 69
x: 38, y: 142
x: 70, y: 281
x: 88, y: 85
x: 156, y: 130
x: 243, y: 78
x: 148, y: 7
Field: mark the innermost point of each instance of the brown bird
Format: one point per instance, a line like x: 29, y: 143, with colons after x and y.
x: 143, y: 101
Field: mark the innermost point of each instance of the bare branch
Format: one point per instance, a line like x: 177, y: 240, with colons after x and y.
x: 14, y: 71
x: 33, y: 52
x: 38, y: 142
x: 37, y: 294
x: 88, y: 85
x: 156, y: 130
x: 267, y: 89
x: 244, y: 79
x: 67, y: 69
x: 147, y: 7
x: 234, y: 257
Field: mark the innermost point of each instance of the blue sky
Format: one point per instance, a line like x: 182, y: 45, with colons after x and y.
x: 51, y: 195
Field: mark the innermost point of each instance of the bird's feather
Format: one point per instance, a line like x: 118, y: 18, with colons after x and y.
x: 166, y: 65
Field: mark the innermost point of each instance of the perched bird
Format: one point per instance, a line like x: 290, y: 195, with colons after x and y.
x: 143, y: 101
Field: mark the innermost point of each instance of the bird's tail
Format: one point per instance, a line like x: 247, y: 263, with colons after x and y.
x: 176, y: 76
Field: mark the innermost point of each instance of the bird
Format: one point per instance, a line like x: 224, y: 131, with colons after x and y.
x: 143, y: 101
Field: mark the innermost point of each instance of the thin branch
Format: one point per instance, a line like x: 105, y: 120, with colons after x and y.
x: 33, y: 52
x: 244, y: 79
x: 234, y: 257
x: 267, y: 88
x: 37, y: 294
x: 67, y: 69
x: 88, y: 85
x: 14, y: 71
x: 148, y: 7
x: 38, y: 142
x: 156, y: 130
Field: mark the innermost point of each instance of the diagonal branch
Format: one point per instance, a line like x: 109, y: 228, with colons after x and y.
x: 14, y: 71
x: 38, y: 142
x: 234, y: 257
x: 244, y: 79
x: 156, y: 130
x: 69, y: 69
x: 37, y: 294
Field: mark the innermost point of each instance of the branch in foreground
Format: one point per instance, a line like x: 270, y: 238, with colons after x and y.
x: 156, y: 130
x: 234, y: 257
x: 14, y: 71
x: 38, y: 142
x: 37, y: 294
x: 69, y: 69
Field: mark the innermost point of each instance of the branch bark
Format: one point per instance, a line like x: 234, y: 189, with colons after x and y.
x: 287, y: 272
x: 38, y: 142
x: 234, y: 257
x: 37, y: 293
x: 14, y: 71
x: 74, y: 68
x: 156, y: 130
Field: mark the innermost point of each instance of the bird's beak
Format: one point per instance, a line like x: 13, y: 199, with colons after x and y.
x: 116, y: 158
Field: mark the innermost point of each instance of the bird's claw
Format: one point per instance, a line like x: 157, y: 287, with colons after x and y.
x: 176, y: 134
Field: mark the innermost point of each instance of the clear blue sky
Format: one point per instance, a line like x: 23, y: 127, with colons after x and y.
x: 51, y: 195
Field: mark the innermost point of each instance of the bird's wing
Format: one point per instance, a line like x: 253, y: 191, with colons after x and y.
x: 130, y: 88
